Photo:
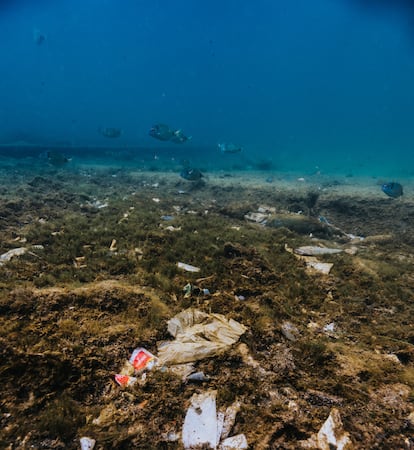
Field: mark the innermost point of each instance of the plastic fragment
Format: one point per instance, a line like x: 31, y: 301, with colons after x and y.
x: 87, y: 443
x: 237, y: 442
x: 142, y: 359
x: 289, y: 331
x: 332, y: 435
x: 198, y: 335
x: 310, y: 250
x: 200, y: 423
x: 188, y: 267
x: 125, y: 380
x: 5, y: 257
x: 230, y: 419
x: 197, y: 377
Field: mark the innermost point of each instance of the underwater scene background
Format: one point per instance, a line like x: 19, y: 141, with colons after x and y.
x: 323, y: 85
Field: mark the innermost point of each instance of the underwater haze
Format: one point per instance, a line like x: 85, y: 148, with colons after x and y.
x: 307, y: 85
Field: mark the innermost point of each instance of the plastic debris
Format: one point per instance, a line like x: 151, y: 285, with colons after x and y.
x: 203, y: 426
x: 167, y: 218
x: 312, y: 263
x: 229, y: 419
x: 197, y: 377
x: 234, y: 443
x: 200, y: 423
x: 189, y: 289
x: 5, y: 257
x: 310, y: 250
x: 198, y: 335
x: 125, y: 380
x: 330, y: 436
x: 289, y: 331
x: 321, y: 267
x: 257, y: 217
x: 87, y: 443
x: 142, y: 359
x: 188, y: 267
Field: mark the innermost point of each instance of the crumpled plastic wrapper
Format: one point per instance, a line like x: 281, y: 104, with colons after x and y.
x: 198, y: 335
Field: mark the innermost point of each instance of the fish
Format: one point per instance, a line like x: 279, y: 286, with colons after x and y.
x: 179, y: 137
x: 38, y: 37
x: 191, y: 174
x: 229, y: 147
x: 163, y: 132
x: 392, y: 189
x: 110, y: 132
x: 56, y: 158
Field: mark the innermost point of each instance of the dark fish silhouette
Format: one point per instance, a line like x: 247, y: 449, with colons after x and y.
x: 38, y: 37
x: 110, y: 132
x: 163, y: 132
x: 392, y: 189
x: 56, y: 158
x: 229, y: 147
x: 191, y: 174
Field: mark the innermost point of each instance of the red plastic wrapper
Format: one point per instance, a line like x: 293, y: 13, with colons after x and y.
x: 125, y: 380
x: 142, y: 359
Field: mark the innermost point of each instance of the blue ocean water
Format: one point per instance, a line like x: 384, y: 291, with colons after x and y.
x: 325, y: 85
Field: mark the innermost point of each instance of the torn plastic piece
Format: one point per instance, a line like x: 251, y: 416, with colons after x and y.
x: 310, y: 250
x: 87, y: 443
x: 142, y: 359
x: 289, y: 331
x: 332, y: 434
x: 229, y: 419
x: 237, y: 442
x: 125, y: 380
x: 11, y: 254
x: 322, y: 267
x: 197, y: 377
x: 200, y: 423
x: 198, y: 335
x: 187, y: 289
x: 188, y: 267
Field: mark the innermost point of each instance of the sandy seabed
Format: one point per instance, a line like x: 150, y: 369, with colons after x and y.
x: 98, y: 277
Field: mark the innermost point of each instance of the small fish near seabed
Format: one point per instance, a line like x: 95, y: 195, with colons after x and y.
x: 56, y: 158
x: 190, y: 174
x: 163, y: 132
x: 110, y: 132
x: 392, y: 189
x: 229, y: 147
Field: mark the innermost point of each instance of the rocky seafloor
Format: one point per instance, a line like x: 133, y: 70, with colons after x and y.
x: 97, y: 277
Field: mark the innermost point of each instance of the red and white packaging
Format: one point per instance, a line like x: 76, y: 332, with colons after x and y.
x: 125, y: 380
x: 142, y: 359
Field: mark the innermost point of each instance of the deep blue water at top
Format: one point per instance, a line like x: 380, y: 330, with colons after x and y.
x: 307, y: 85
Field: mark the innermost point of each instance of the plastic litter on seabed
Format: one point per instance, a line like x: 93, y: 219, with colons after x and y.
x: 198, y: 335
x: 87, y: 443
x: 142, y: 359
x: 204, y: 427
x: 330, y: 436
x: 188, y: 267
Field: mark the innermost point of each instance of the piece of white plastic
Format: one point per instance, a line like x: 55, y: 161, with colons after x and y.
x: 87, y: 443
x: 187, y: 267
x: 332, y: 434
x: 237, y: 442
x: 200, y: 424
